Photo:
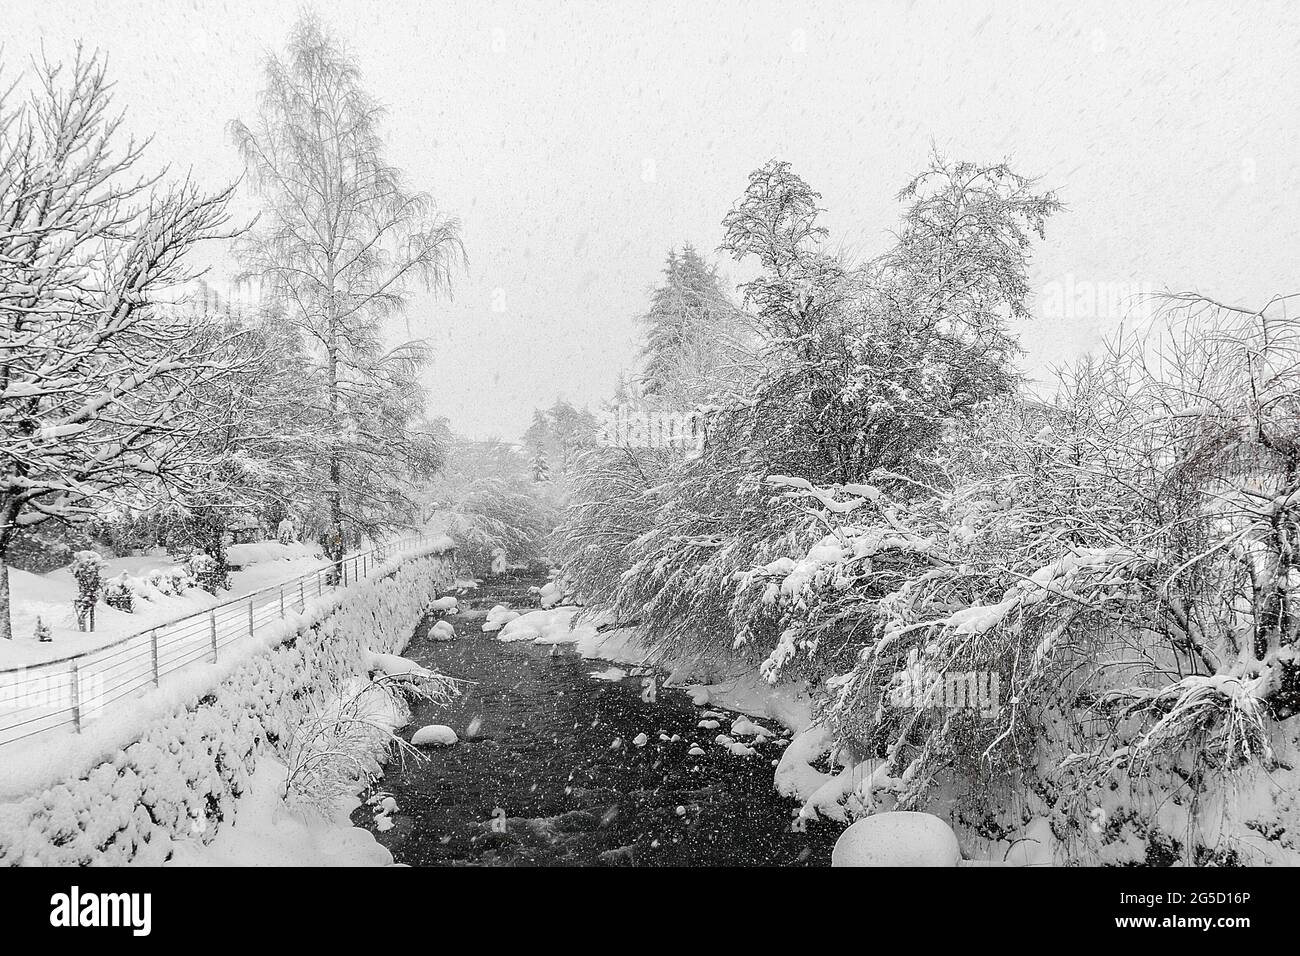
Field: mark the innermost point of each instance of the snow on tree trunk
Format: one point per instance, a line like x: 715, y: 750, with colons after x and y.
x: 6, y: 623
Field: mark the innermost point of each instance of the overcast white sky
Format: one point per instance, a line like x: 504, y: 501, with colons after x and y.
x: 578, y: 141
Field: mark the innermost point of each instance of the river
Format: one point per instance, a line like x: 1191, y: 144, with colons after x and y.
x: 547, y: 771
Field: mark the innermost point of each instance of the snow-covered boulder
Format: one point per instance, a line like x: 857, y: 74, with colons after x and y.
x: 498, y: 617
x: 899, y: 838
x: 442, y: 605
x: 745, y: 726
x: 438, y: 735
x: 549, y: 594
x: 554, y: 626
x: 443, y: 631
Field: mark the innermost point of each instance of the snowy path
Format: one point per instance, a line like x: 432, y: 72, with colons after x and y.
x: 66, y: 695
x: 51, y: 597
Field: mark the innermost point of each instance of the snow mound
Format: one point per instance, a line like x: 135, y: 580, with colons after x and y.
x: 745, y: 726
x: 554, y: 626
x: 258, y: 552
x: 498, y: 617
x: 443, y: 604
x: 899, y: 838
x: 442, y: 631
x: 394, y: 665
x: 436, y: 735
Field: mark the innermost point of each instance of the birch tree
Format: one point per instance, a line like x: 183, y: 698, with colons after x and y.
x: 341, y: 241
x: 94, y: 372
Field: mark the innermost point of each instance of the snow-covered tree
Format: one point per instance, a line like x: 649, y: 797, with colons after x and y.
x: 487, y: 498
x: 867, y: 365
x: 863, y: 367
x: 1122, y: 560
x: 541, y: 472
x: 695, y: 337
x: 557, y: 438
x: 95, y: 372
x: 264, y: 434
x: 340, y: 242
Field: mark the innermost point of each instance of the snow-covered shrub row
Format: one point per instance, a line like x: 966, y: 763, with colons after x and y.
x: 124, y: 591
x: 182, y: 776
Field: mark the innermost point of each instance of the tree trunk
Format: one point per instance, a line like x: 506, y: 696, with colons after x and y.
x: 6, y: 625
x: 336, y: 547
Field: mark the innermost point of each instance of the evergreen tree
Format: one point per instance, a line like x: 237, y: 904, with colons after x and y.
x: 690, y: 328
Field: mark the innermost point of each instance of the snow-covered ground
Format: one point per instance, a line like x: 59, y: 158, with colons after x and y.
x: 211, y: 749
x: 50, y: 597
x: 41, y: 705
x: 267, y: 832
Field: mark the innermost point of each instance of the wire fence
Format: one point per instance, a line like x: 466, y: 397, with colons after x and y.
x: 76, y: 690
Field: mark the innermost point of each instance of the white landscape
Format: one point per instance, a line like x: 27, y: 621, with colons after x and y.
x: 732, y: 435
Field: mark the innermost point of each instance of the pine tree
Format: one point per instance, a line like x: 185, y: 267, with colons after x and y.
x: 540, y: 470
x: 690, y: 327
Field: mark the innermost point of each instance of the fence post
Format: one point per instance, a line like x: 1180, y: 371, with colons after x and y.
x: 319, y: 587
x: 250, y: 617
x: 302, y: 598
x: 76, y: 698
x: 153, y: 640
x: 282, y: 600
x: 212, y: 627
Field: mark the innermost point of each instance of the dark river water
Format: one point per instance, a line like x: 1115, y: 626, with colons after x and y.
x: 540, y: 783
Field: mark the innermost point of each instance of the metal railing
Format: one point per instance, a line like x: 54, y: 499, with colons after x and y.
x: 76, y: 690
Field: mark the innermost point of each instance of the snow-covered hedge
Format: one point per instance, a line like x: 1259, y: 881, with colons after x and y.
x: 181, y: 776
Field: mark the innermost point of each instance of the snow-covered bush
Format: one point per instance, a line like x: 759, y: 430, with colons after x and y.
x: 207, y: 572
x: 1108, y: 579
x: 170, y: 581
x: 118, y: 593
x: 88, y: 571
x: 180, y: 579
x: 343, y: 744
